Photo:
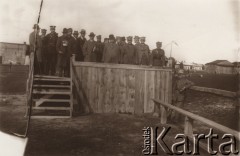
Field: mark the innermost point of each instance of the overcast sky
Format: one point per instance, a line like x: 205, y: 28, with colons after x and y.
x: 205, y: 30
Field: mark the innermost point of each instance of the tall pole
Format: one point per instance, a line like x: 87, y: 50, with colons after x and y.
x: 171, y: 49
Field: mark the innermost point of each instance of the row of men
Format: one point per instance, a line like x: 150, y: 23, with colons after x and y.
x: 53, y: 53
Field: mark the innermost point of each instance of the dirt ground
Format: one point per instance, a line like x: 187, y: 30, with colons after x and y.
x: 102, y: 134
x: 93, y: 134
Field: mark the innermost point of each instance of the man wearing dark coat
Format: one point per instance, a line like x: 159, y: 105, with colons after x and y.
x: 129, y: 52
x: 64, y: 51
x: 35, y: 49
x: 80, y: 42
x: 89, y: 49
x: 143, y: 52
x: 99, y: 48
x: 158, y: 56
x: 44, y: 50
x: 111, y: 52
x: 51, y: 55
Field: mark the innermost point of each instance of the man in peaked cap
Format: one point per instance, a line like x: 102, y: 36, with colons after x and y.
x: 80, y: 42
x: 44, y: 50
x: 34, y: 38
x: 111, y: 52
x: 129, y: 52
x: 143, y: 52
x: 158, y: 56
x: 51, y: 54
x: 180, y: 85
x: 89, y: 49
x: 75, y: 35
x: 99, y: 48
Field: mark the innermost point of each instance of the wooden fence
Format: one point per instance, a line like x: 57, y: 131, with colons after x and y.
x: 119, y: 88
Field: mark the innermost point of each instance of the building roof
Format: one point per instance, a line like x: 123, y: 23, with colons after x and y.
x: 224, y: 63
x: 236, y: 64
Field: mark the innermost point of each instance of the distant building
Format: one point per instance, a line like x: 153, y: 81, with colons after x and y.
x: 236, y: 67
x: 189, y: 66
x: 13, y: 52
x: 220, y: 67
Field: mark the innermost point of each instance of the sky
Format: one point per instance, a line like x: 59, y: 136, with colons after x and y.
x: 204, y: 30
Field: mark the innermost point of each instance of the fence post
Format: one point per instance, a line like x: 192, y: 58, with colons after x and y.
x: 163, y: 115
x: 188, y: 126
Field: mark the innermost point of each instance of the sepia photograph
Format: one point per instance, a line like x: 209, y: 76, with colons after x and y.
x: 119, y: 78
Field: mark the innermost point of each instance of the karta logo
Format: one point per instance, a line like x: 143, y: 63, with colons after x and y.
x: 181, y: 145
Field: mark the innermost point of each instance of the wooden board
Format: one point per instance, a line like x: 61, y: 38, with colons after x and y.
x: 123, y: 88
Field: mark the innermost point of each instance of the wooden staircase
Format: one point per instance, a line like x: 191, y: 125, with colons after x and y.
x: 52, y: 97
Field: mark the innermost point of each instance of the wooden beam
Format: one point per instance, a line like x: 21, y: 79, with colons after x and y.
x: 215, y: 91
x: 51, y: 108
x: 201, y: 119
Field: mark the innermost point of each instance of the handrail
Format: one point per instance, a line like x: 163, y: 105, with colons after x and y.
x: 121, y: 66
x: 195, y: 117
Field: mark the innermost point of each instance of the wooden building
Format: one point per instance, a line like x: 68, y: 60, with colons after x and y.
x: 220, y: 67
x: 13, y: 52
x: 119, y: 88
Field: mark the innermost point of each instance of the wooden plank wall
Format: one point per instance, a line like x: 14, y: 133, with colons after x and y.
x: 114, y: 88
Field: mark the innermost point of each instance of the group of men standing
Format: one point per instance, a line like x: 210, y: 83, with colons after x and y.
x: 53, y: 52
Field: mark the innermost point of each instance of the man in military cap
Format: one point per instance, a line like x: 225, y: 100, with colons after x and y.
x: 75, y: 35
x: 80, y: 43
x: 89, y: 49
x: 111, y: 52
x: 143, y: 52
x: 180, y: 85
x: 44, y: 50
x: 158, y: 56
x: 35, y: 48
x: 51, y: 55
x: 105, y: 40
x: 99, y: 48
x: 64, y: 51
x: 136, y: 40
x: 129, y: 53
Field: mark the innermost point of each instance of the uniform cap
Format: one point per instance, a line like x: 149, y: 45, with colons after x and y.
x: 65, y: 30
x: 123, y: 38
x: 136, y: 37
x: 158, y: 42
x: 36, y: 26
x: 92, y: 34
x: 129, y: 38
x: 111, y: 36
x: 75, y: 33
x: 43, y: 30
x: 83, y: 31
x: 69, y: 29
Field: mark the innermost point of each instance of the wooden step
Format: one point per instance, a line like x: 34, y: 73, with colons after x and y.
x: 48, y: 117
x: 55, y: 80
x: 52, y: 100
x: 51, y: 108
x: 49, y: 77
x: 52, y: 86
x: 52, y: 92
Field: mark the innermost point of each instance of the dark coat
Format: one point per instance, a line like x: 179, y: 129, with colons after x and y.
x: 143, y: 54
x: 51, y: 40
x: 158, y: 57
x: 32, y: 41
x: 64, y: 45
x: 89, y: 51
x: 79, y: 46
x: 129, y: 54
x: 99, y: 51
x: 111, y: 53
